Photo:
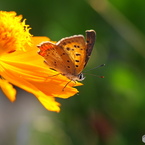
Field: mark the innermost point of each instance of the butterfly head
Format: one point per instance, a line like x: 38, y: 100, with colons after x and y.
x: 79, y: 77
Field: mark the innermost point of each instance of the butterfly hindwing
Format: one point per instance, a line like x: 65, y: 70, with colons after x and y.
x: 90, y: 39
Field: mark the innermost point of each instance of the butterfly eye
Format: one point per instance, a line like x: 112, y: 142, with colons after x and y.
x: 81, y: 77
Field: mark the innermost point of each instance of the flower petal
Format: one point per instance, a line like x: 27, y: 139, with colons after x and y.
x: 49, y: 103
x: 8, y: 90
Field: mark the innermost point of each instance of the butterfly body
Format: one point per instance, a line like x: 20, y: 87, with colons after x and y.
x: 69, y: 55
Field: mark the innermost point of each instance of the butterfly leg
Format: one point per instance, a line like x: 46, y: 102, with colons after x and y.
x: 67, y: 84
x: 52, y: 76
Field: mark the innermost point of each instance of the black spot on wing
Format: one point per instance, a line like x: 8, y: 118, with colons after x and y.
x: 76, y: 46
x: 78, y: 54
x: 67, y: 48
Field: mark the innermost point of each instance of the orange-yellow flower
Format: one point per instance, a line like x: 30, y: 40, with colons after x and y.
x: 20, y: 64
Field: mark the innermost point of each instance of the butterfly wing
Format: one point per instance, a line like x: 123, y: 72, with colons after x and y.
x: 54, y: 57
x: 90, y: 38
x: 75, y: 47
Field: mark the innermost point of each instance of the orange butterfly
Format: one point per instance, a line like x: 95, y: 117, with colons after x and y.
x: 70, y: 55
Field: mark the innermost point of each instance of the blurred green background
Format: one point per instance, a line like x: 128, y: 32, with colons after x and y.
x: 109, y: 111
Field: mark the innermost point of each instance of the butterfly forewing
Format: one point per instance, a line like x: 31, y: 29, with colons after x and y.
x: 75, y: 47
x: 54, y: 57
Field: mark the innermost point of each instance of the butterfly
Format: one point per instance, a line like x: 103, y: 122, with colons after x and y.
x: 70, y: 55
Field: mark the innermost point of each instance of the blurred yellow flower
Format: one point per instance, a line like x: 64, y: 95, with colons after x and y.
x: 20, y: 64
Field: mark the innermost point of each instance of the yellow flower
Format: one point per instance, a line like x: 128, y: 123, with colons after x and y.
x: 20, y: 64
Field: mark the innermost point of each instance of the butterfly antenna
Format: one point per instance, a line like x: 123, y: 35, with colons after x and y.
x: 95, y: 75
x: 95, y: 67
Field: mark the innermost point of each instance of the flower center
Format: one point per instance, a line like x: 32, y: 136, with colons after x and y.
x: 14, y: 33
